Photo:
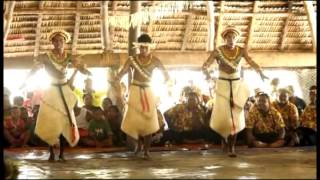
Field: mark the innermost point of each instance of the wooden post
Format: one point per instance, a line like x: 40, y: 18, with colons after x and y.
x: 76, y: 30
x: 312, y: 22
x: 210, y: 18
x: 149, y: 28
x: 219, y: 30
x: 133, y: 33
x: 38, y: 36
x: 8, y: 16
x: 285, y: 27
x: 253, y: 21
x: 187, y: 31
x: 105, y: 26
x: 113, y: 9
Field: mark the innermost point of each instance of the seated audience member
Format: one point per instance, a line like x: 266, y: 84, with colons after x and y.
x: 290, y: 116
x: 114, y: 117
x: 28, y: 103
x: 88, y: 89
x: 83, y: 117
x: 100, y: 131
x: 298, y: 102
x: 6, y: 105
x: 250, y: 101
x: 308, y: 127
x: 18, y: 101
x: 264, y: 125
x: 16, y: 130
x: 186, y: 122
x: 274, y: 88
x: 106, y: 104
x: 88, y: 103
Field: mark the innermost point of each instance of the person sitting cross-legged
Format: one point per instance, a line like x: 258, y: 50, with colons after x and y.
x: 100, y: 131
x: 264, y: 125
x: 16, y: 129
x: 308, y: 128
x: 290, y: 116
x: 186, y: 122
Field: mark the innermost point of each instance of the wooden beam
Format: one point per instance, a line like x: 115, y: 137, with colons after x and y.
x: 133, y: 34
x: 57, y: 11
x: 114, y: 5
x: 252, y: 23
x: 8, y: 17
x: 312, y: 22
x: 187, y: 32
x: 133, y: 31
x: 285, y: 27
x: 75, y: 34
x: 219, y: 30
x: 76, y: 30
x: 210, y: 18
x: 41, y: 4
x: 149, y: 28
x: 105, y: 26
x: 185, y: 59
x: 38, y: 36
x: 112, y: 29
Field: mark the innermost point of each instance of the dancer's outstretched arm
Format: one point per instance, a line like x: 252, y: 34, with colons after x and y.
x: 207, y: 64
x: 253, y: 64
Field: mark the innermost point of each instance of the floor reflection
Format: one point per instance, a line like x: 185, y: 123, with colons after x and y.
x: 250, y: 164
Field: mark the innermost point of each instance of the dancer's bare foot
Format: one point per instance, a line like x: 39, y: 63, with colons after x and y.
x: 224, y: 146
x: 51, y: 158
x: 232, y: 152
x: 137, y: 149
x: 146, y: 155
x: 61, y: 158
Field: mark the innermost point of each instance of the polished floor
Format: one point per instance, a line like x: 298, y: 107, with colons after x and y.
x: 179, y: 162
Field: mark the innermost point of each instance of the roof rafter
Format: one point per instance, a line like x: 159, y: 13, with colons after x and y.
x: 149, y: 28
x: 285, y: 27
x: 188, y: 30
x: 105, y: 26
x: 253, y: 21
x: 312, y: 22
x: 76, y: 30
x: 8, y: 17
x: 219, y: 30
x: 210, y: 18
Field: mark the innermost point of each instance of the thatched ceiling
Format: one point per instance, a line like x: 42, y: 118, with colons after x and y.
x: 265, y: 26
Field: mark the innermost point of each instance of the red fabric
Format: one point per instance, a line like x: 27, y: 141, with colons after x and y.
x: 83, y: 132
x: 144, y: 100
x: 10, y: 124
x: 73, y: 131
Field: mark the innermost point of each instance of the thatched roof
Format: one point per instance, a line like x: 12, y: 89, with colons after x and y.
x: 265, y: 25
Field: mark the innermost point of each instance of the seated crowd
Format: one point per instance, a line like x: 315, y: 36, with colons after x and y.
x: 284, y: 121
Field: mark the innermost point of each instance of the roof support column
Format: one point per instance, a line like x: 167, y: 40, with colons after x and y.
x: 312, y: 22
x: 8, y: 17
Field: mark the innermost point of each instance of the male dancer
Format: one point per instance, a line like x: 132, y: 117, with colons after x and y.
x: 227, y: 117
x: 56, y: 120
x: 140, y: 118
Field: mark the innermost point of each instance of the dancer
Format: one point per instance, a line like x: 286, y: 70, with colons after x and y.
x: 227, y: 117
x: 56, y: 121
x: 140, y: 118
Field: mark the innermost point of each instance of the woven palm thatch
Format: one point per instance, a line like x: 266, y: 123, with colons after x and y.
x: 173, y: 25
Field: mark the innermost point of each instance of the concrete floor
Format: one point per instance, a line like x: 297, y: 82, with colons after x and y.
x: 284, y: 163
